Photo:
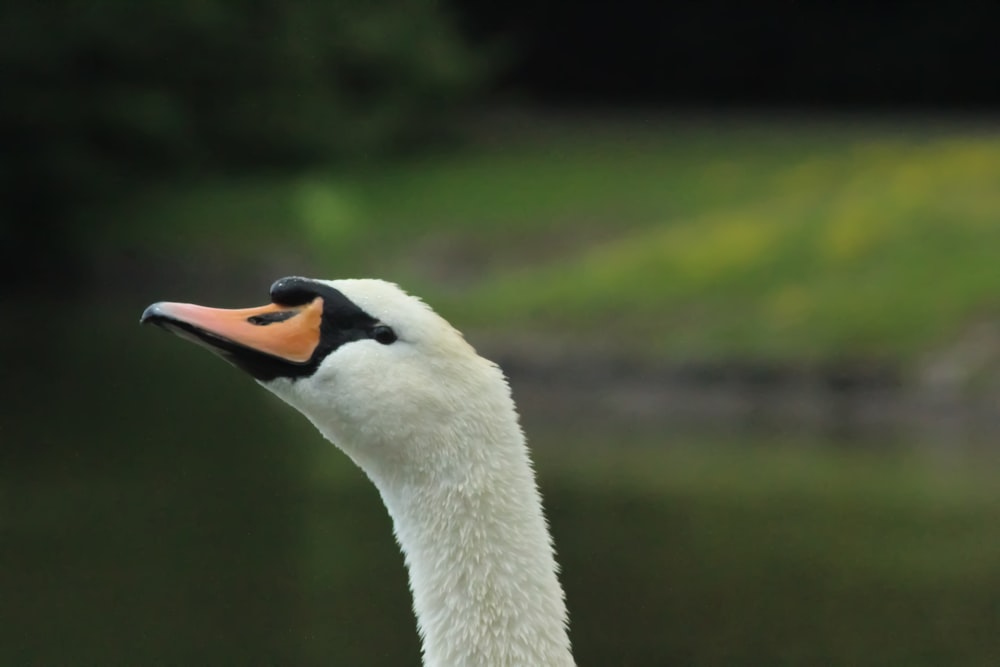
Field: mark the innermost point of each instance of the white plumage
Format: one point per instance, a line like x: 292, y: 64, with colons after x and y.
x: 434, y: 427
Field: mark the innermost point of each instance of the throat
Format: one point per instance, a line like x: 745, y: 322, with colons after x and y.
x: 481, y: 564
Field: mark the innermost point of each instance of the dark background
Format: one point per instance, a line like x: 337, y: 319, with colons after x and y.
x: 106, y: 98
x: 820, y: 55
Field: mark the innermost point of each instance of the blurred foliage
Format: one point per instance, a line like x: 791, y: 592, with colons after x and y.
x: 797, y: 242
x: 102, y: 96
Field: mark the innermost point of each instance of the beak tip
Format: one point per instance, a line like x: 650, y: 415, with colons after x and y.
x: 152, y: 313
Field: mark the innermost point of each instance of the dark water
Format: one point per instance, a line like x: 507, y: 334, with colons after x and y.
x: 159, y: 508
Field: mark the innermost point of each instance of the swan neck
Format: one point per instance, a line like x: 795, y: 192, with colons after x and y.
x: 480, y: 560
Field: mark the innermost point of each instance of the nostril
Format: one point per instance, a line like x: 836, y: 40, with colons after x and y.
x: 271, y: 318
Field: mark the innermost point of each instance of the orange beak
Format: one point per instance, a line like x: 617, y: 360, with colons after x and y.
x: 287, y: 333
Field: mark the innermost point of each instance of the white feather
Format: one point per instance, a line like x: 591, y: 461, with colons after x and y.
x: 434, y: 426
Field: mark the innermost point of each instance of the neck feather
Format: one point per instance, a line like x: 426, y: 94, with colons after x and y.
x: 480, y: 558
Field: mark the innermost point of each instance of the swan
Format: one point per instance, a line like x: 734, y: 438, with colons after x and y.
x: 434, y: 427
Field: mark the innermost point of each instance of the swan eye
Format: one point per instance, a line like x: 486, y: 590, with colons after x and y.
x: 384, y: 334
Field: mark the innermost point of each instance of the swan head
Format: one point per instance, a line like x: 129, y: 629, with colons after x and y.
x: 374, y: 368
x: 433, y: 425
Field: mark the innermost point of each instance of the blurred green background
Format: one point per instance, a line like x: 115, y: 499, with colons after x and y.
x: 756, y: 347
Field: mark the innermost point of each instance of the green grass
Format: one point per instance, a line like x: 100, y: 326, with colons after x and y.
x: 797, y: 242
